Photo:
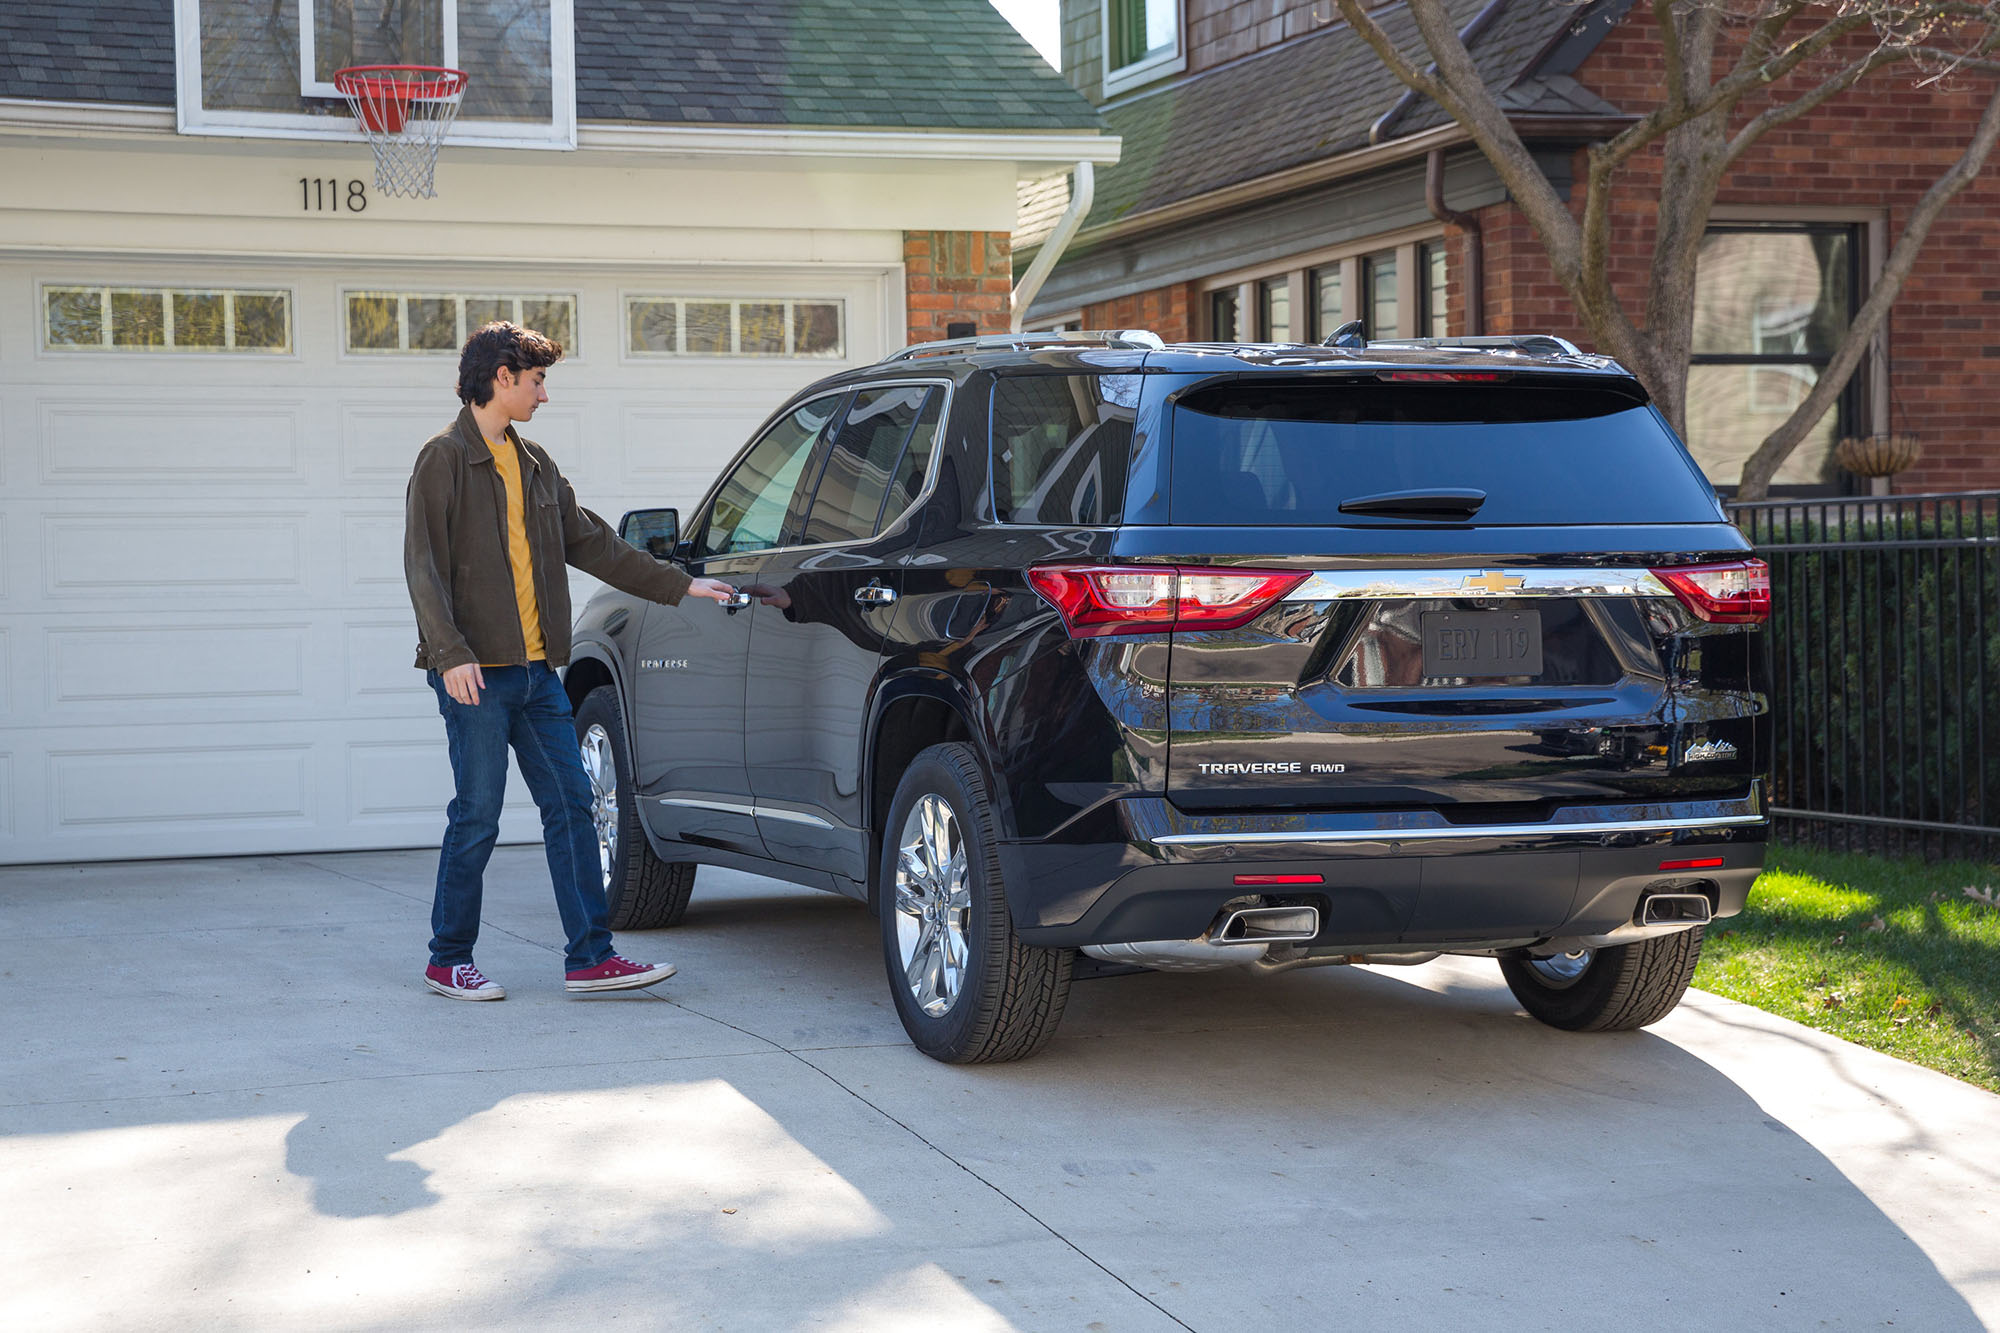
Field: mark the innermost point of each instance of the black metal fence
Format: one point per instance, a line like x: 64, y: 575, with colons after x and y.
x: 1885, y: 642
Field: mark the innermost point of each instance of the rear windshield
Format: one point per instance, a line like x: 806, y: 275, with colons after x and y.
x: 1289, y: 453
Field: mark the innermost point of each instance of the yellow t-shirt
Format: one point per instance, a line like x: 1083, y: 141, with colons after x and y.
x: 507, y: 462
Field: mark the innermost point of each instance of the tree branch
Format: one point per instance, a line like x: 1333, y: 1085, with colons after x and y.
x: 1772, y: 117
x: 1675, y: 59
x: 1731, y: 89
x: 1762, y: 465
x: 1458, y: 88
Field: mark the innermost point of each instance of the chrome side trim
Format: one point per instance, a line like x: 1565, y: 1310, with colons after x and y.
x: 1330, y: 585
x: 754, y: 811
x: 791, y: 816
x: 1440, y: 833
x: 727, y: 807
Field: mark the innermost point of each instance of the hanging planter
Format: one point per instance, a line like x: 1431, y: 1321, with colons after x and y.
x: 1878, y: 455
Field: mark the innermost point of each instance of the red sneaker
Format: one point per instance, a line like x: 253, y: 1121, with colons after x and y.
x: 616, y: 973
x: 462, y: 982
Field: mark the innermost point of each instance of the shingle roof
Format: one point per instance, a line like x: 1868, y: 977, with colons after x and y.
x: 906, y: 64
x: 110, y: 51
x: 918, y: 64
x: 1311, y: 98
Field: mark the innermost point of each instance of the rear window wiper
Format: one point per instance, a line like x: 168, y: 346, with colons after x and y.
x: 1439, y: 502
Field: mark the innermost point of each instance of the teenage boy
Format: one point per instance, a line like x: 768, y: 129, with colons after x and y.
x: 489, y: 524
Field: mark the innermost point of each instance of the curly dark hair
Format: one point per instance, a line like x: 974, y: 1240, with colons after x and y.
x: 500, y: 344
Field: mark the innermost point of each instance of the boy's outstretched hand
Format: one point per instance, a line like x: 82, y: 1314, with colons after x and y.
x: 713, y: 589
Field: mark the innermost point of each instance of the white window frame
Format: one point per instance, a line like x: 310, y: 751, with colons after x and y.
x: 167, y: 291
x: 631, y: 353
x: 309, y: 47
x: 193, y: 118
x: 1141, y: 72
x: 404, y: 295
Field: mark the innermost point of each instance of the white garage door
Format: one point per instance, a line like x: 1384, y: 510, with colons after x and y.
x: 206, y: 645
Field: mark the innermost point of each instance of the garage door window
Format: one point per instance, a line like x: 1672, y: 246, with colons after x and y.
x: 419, y: 322
x: 719, y: 326
x: 166, y: 319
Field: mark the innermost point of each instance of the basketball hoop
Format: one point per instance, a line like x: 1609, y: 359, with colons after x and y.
x: 405, y: 111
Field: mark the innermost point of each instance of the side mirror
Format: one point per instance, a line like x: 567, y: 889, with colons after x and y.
x: 654, y: 531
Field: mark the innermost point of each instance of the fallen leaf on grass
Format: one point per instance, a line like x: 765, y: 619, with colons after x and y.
x: 1833, y: 999
x: 1819, y: 982
x: 1987, y: 895
x: 1841, y: 938
x: 1936, y: 1008
x: 1876, y: 925
x: 1900, y: 1003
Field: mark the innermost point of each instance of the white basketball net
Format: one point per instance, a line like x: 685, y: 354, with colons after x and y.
x: 404, y: 111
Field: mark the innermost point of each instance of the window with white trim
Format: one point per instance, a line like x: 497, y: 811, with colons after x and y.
x: 735, y: 326
x: 422, y: 322
x: 1142, y: 42
x: 166, y: 319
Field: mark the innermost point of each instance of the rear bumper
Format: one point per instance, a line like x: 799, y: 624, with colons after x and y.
x: 1387, y: 879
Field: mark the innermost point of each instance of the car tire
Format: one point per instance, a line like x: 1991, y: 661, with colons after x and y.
x: 641, y: 891
x: 1606, y: 990
x: 968, y: 991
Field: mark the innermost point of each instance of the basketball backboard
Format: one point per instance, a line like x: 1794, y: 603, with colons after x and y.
x: 265, y: 69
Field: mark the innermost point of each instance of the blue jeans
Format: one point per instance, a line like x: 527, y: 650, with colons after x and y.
x: 522, y: 707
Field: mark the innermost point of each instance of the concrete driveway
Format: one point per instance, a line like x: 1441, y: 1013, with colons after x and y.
x: 228, y: 1103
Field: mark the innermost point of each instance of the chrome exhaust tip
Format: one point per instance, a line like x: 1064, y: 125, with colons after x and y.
x: 1675, y: 909
x: 1266, y: 925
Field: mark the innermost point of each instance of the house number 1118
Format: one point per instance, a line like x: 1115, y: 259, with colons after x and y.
x: 325, y: 194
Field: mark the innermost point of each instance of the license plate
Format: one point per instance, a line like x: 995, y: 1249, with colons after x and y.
x: 1482, y: 643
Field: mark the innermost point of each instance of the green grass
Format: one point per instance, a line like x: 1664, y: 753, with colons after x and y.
x: 1890, y: 954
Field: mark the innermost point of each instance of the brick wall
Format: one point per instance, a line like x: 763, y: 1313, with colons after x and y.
x: 1167, y: 311
x: 957, y: 277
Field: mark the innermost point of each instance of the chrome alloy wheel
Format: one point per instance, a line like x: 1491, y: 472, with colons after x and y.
x: 1563, y: 970
x: 933, y: 905
x: 601, y: 766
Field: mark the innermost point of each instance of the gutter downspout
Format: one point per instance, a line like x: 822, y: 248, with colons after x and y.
x: 1475, y: 246
x: 1082, y: 189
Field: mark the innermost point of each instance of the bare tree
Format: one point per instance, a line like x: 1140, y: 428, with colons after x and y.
x: 1718, y: 57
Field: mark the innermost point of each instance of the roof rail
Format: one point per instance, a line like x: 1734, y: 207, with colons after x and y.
x: 1544, y: 344
x: 1129, y: 339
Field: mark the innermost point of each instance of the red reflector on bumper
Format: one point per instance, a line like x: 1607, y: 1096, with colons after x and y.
x: 1705, y: 863
x: 1262, y: 881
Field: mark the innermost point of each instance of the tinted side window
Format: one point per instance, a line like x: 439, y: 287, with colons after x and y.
x: 862, y: 462
x: 749, y: 511
x: 1061, y: 446
x: 1281, y: 453
x: 908, y: 481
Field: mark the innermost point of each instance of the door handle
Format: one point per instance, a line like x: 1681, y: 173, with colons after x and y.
x: 736, y: 601
x: 874, y: 594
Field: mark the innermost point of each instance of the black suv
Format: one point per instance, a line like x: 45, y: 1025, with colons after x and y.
x: 1081, y: 654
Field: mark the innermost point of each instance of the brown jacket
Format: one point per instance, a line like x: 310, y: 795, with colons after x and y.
x: 455, y: 553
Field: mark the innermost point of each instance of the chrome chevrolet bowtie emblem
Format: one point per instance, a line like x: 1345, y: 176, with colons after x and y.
x: 1493, y: 581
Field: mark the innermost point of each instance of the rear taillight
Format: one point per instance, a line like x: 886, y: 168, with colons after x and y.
x: 1737, y: 593
x: 1148, y: 599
